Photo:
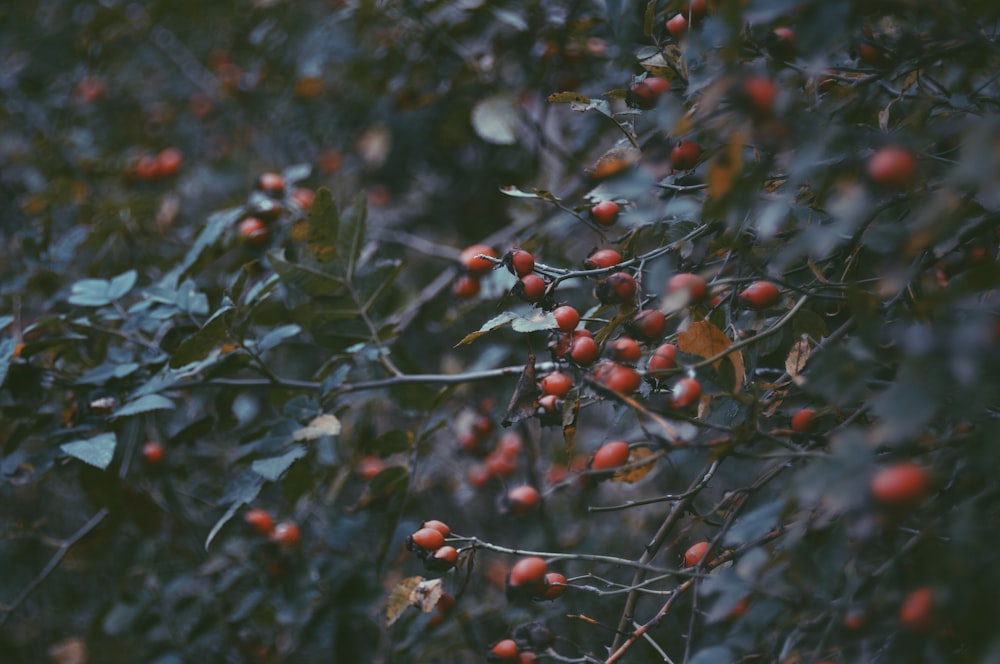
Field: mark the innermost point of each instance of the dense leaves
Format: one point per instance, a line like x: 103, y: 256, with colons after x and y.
x: 233, y: 236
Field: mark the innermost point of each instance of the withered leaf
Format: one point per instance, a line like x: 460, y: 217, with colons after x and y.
x: 704, y: 339
x: 522, y: 402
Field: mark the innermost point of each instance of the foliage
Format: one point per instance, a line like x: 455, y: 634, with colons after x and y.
x: 319, y: 366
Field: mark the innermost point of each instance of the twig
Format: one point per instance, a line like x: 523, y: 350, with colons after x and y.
x: 60, y: 553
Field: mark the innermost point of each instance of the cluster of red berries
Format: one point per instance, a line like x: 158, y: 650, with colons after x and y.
x: 428, y: 542
x: 531, y: 579
x: 157, y: 166
x: 267, y: 203
x: 286, y: 534
x: 522, y: 645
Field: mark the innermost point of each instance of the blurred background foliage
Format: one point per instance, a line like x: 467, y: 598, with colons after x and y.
x: 134, y: 308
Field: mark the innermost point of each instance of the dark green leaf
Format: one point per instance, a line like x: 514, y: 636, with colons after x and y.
x: 211, y: 335
x: 324, y: 227
x: 272, y: 469
x: 144, y: 404
x: 97, y: 451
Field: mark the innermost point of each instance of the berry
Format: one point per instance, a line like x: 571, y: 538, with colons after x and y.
x: 567, y: 318
x: 602, y: 258
x: 687, y: 391
x: 466, y: 286
x: 555, y: 585
x: 664, y: 357
x: 625, y: 349
x: 557, y: 383
x: 583, y: 350
x: 761, y: 294
x: 677, y: 26
x: 696, y: 553
x: 479, y: 475
x: 855, y: 618
x: 520, y: 262
x: 610, y: 456
x: 900, y: 484
x: 443, y: 558
x: 527, y: 577
x: 475, y: 265
x: 760, y: 93
x: 153, y: 453
x: 271, y: 183
x: 802, y: 421
x: 510, y: 444
x: 287, y: 534
x: 916, y: 613
x: 260, y: 520
x: 549, y: 403
x: 648, y: 325
x: 892, y: 167
x: 618, y: 288
x: 145, y: 168
x: 696, y: 10
x: 439, y: 526
x: 253, y: 230
x: 369, y: 466
x: 685, y: 155
x: 427, y: 539
x: 617, y: 378
x: 531, y: 287
x: 501, y: 465
x: 605, y: 213
x: 504, y: 651
x: 523, y: 500
x: 645, y: 93
x: 781, y: 43
x: 304, y: 197
x: 687, y: 282
x: 169, y: 161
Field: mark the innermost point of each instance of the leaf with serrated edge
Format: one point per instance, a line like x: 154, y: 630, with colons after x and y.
x: 492, y: 324
x: 426, y: 595
x: 704, y: 339
x: 399, y: 599
x: 324, y: 425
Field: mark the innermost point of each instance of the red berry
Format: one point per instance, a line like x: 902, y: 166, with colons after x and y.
x: 304, y: 197
x: 782, y: 43
x: 475, y: 265
x: 610, y: 456
x: 802, y: 421
x: 427, y: 539
x: 696, y: 10
x: 446, y: 556
x: 625, y: 349
x: 892, y: 167
x: 501, y: 465
x: 916, y: 613
x: 260, y: 520
x: 761, y: 294
x: 439, y: 526
x: 169, y: 161
x: 602, y: 258
x: 369, y: 466
x: 271, y: 183
x: 648, y: 325
x: 505, y: 650
x: 685, y: 155
x: 509, y: 444
x: 153, y: 453
x: 531, y: 287
x: 900, y: 484
x: 523, y: 500
x: 677, y: 26
x: 664, y: 357
x: 760, y: 93
x: 618, y: 288
x: 583, y: 350
x: 692, y: 284
x: 696, y: 553
x: 146, y: 168
x: 253, y: 230
x: 555, y: 585
x: 529, y: 574
x: 521, y: 262
x: 557, y: 383
x: 479, y: 475
x: 549, y: 403
x: 645, y: 93
x: 466, y: 285
x: 605, y: 213
x: 687, y: 391
x: 617, y: 378
x: 287, y: 534
x: 567, y: 318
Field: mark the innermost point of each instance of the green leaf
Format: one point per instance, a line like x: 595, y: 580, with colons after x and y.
x: 273, y: 468
x: 538, y: 321
x: 101, y: 292
x: 7, y: 347
x: 210, y: 234
x: 323, y: 227
x: 492, y: 324
x: 312, y: 281
x: 105, y: 372
x: 145, y: 404
x: 211, y: 335
x: 353, y: 228
x: 97, y: 451
x: 539, y: 194
x: 755, y: 524
x: 229, y: 513
x: 277, y: 335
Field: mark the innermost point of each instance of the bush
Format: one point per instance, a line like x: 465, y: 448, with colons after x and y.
x: 248, y: 371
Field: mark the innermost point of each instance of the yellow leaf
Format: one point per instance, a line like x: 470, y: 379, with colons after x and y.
x: 725, y: 167
x: 426, y: 595
x: 324, y: 425
x: 399, y: 599
x: 637, y: 455
x: 613, y: 162
x: 704, y: 339
x: 795, y: 363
